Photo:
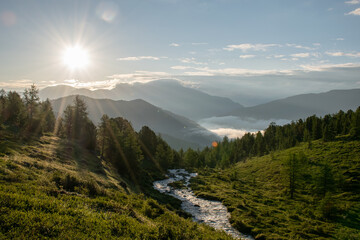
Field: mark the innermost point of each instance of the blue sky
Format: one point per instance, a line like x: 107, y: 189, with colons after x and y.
x: 249, y: 50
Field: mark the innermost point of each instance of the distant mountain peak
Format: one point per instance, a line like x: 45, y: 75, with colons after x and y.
x: 169, y: 94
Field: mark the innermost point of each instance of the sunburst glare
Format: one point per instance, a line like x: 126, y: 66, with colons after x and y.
x: 75, y: 57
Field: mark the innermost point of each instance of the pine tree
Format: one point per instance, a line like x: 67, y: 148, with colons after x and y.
x: 2, y: 106
x: 47, y: 118
x: 355, y: 124
x: 103, y: 133
x: 31, y: 99
x: 328, y: 133
x: 293, y: 173
x: 325, y: 181
x: 14, y: 110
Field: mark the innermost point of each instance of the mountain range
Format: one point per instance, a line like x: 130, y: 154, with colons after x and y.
x: 179, y: 131
x: 167, y: 94
x: 301, y: 106
x: 167, y: 107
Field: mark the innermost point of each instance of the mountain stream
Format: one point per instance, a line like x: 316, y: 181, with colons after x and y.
x: 212, y: 213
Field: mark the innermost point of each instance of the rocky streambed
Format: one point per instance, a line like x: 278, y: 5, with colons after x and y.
x: 212, y: 213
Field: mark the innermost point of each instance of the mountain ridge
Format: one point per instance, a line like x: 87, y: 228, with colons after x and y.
x: 166, y: 93
x: 303, y: 105
x: 141, y: 113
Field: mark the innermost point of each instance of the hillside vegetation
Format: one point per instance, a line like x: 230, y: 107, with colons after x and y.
x: 326, y: 192
x: 66, y: 178
x: 53, y: 188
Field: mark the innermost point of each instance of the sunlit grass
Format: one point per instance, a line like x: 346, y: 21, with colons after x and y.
x: 52, y: 188
x: 256, y: 194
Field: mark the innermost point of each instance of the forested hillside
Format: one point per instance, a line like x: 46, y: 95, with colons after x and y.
x: 141, y: 113
x: 68, y: 177
x: 345, y: 126
x: 298, y: 193
x: 297, y: 181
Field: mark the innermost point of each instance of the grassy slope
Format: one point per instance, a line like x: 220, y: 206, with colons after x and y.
x: 38, y: 200
x: 256, y: 194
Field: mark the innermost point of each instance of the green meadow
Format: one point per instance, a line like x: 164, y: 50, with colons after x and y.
x: 52, y: 188
x: 326, y: 200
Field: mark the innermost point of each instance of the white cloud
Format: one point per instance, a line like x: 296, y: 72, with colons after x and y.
x: 327, y: 67
x: 19, y: 84
x: 343, y: 54
x: 242, y: 72
x: 229, y: 132
x: 247, y: 56
x: 234, y: 127
x: 205, y: 71
x: 299, y: 46
x: 304, y: 55
x: 139, y: 58
x: 180, y: 67
x: 71, y: 81
x: 353, y: 2
x: 174, y: 45
x: 191, y: 60
x: 317, y: 44
x: 138, y: 76
x: 279, y: 56
x: 93, y: 85
x: 200, y: 73
x: 300, y: 55
x: 355, y: 12
x: 335, y: 54
x: 248, y: 46
x: 340, y: 39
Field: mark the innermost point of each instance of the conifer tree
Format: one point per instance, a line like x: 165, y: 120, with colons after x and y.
x: 31, y: 99
x: 293, y: 173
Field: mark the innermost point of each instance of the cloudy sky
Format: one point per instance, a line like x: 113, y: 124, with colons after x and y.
x: 249, y: 50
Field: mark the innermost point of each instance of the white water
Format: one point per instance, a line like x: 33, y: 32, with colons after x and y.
x: 212, y: 213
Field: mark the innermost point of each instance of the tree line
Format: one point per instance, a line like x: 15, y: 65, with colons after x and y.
x: 276, y: 137
x: 114, y: 139
x: 25, y: 116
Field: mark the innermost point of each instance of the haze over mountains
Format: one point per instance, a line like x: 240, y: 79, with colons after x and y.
x: 166, y: 94
x: 217, y: 114
x: 282, y: 111
x: 304, y: 105
x: 178, y: 131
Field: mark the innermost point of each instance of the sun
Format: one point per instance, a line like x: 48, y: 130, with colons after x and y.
x: 75, y: 58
